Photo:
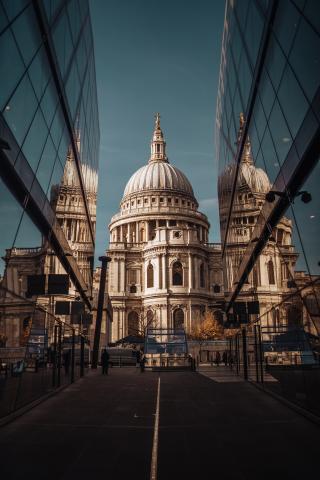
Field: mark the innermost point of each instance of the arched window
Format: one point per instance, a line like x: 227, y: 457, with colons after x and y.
x: 294, y: 313
x: 133, y: 323
x: 256, y: 276
x: 150, y: 276
x: 178, y: 319
x: 142, y: 235
x: 177, y: 274
x: 271, y: 276
x: 202, y: 282
x: 149, y: 318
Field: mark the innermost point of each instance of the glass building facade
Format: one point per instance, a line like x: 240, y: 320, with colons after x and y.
x: 268, y: 146
x: 49, y: 135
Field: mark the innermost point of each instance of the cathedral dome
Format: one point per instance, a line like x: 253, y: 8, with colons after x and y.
x: 249, y: 176
x: 158, y: 174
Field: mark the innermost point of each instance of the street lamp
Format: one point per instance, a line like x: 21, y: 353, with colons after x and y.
x: 95, y: 353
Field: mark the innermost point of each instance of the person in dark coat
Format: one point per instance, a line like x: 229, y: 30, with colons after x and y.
x: 66, y: 360
x: 225, y: 358
x: 217, y: 359
x: 142, y: 362
x: 105, y: 362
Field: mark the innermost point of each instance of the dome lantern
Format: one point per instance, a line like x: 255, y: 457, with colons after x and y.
x: 158, y: 145
x: 159, y: 175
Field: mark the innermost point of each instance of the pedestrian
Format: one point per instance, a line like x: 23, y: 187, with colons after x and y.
x: 142, y: 362
x: 225, y: 358
x: 138, y: 357
x: 230, y: 360
x: 218, y: 359
x: 105, y: 361
x: 66, y: 360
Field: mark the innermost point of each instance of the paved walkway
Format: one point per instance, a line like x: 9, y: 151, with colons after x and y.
x: 104, y: 427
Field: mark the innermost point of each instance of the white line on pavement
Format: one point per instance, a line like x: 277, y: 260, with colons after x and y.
x: 154, y: 458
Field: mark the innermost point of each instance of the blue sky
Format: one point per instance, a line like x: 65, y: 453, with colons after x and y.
x: 152, y: 57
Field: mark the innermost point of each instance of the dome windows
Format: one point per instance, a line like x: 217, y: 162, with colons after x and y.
x: 201, y: 276
x: 177, y: 274
x: 150, y: 276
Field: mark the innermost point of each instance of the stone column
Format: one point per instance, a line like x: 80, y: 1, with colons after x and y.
x: 121, y: 233
x: 190, y: 272
x: 164, y: 271
x: 123, y: 275
x: 129, y: 233
x: 147, y: 231
x: 137, y: 232
x: 160, y: 276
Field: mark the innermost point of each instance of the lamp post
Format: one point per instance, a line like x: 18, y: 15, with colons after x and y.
x: 95, y: 353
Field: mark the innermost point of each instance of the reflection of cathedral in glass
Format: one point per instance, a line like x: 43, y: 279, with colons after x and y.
x: 71, y: 214
x: 274, y: 266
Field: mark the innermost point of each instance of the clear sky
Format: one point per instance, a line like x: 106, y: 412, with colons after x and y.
x: 156, y: 56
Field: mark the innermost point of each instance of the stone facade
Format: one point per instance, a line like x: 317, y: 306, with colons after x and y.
x: 165, y: 273
x: 163, y: 270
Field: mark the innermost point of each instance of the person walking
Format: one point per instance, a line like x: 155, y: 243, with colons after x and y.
x: 66, y: 360
x: 225, y: 358
x: 142, y: 362
x: 230, y: 360
x: 218, y: 359
x: 105, y: 361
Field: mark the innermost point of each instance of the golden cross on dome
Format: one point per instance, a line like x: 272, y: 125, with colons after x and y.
x: 157, y: 117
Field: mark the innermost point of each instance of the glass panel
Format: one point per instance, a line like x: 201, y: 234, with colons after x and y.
x: 11, y: 67
x: 286, y: 23
x: 54, y: 183
x: 57, y: 126
x: 305, y: 58
x: 311, y: 11
x: 62, y: 42
x: 280, y: 132
x: 253, y: 32
x: 266, y: 93
x: 27, y: 34
x: 20, y: 109
x: 293, y: 101
x: 51, y: 8
x: 75, y: 20
x: 275, y: 63
x: 73, y: 89
x: 28, y: 235
x: 3, y: 19
x: 39, y: 73
x: 49, y: 102
x: 307, y: 219
x: 10, y: 214
x: 46, y: 164
x: 35, y: 140
x: 14, y: 7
